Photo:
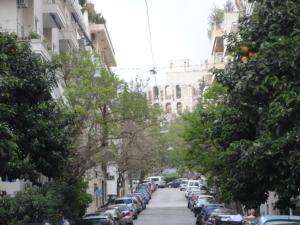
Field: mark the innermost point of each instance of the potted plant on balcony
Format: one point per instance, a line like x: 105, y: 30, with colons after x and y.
x: 34, y: 35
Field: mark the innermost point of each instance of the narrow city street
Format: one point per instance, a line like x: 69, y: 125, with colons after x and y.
x: 167, y: 207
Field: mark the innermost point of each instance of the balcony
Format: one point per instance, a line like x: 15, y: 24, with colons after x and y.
x: 41, y: 48
x: 68, y: 40
x: 53, y: 14
x: 103, y: 43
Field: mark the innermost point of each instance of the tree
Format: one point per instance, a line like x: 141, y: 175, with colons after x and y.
x: 34, y: 134
x: 263, y: 90
x: 102, y: 106
x: 202, y: 151
x: 45, y: 204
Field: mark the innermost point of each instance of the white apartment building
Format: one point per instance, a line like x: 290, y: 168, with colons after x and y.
x: 182, y: 90
x: 51, y: 27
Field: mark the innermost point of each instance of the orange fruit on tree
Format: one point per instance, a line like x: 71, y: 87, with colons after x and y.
x: 252, y: 55
x: 244, y: 50
x: 244, y: 59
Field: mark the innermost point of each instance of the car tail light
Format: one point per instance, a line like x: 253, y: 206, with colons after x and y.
x: 128, y: 213
x: 215, y: 222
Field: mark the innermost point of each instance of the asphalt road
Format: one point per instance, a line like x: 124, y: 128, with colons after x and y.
x: 167, y: 207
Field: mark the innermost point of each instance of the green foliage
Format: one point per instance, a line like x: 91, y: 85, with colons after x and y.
x: 47, y: 203
x: 256, y: 131
x: 103, y: 106
x: 33, y: 126
x: 170, y: 177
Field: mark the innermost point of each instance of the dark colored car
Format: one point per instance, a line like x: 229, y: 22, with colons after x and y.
x: 201, y: 202
x: 206, y: 211
x: 174, y: 183
x: 224, y: 217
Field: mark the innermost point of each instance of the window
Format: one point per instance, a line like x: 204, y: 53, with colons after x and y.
x: 168, y: 108
x: 179, y: 108
x: 93, y: 37
x: 178, y: 91
x: 168, y: 92
x: 161, y: 95
x: 155, y: 92
x: 150, y: 96
x: 219, y: 57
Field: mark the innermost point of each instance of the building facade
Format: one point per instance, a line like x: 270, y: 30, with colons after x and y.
x: 182, y: 91
x: 52, y: 27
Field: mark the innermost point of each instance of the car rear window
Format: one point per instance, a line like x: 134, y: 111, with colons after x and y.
x: 92, y: 222
x: 123, y: 201
x: 229, y: 223
x: 123, y: 208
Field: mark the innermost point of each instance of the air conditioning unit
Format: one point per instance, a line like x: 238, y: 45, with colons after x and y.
x: 22, y: 3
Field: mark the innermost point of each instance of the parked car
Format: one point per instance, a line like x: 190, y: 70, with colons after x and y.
x: 193, y: 199
x: 140, y: 200
x: 137, y: 203
x: 98, y: 218
x: 158, y: 180
x: 129, y: 202
x: 43, y: 223
x: 194, y: 183
x: 183, y: 185
x: 278, y: 220
x: 205, y: 212
x: 224, y: 217
x: 201, y: 202
x: 174, y: 183
x: 116, y: 214
x: 145, y: 197
x: 191, y: 188
x: 127, y: 216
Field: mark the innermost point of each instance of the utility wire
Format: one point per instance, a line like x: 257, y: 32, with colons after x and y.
x: 153, y: 71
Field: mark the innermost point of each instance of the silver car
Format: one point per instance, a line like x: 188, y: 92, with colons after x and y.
x: 129, y: 202
x: 127, y: 215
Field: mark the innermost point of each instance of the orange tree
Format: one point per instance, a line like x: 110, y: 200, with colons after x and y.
x: 263, y: 101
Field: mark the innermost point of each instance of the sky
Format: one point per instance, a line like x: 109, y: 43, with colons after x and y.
x: 178, y: 30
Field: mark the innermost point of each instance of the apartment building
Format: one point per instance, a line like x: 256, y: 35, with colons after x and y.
x: 52, y: 27
x: 182, y: 90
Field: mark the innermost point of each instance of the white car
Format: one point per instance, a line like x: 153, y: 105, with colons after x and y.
x: 183, y: 185
x: 158, y: 180
x: 189, y: 189
x: 194, y: 183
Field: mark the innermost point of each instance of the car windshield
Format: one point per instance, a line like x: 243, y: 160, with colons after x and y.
x: 92, y: 222
x: 155, y: 179
x: 123, y: 201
